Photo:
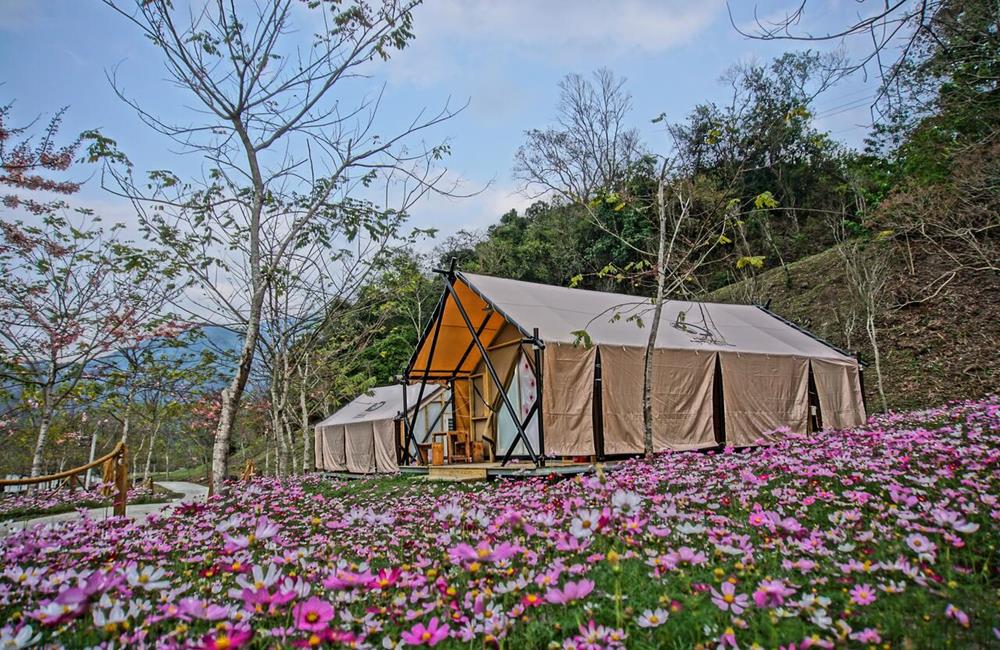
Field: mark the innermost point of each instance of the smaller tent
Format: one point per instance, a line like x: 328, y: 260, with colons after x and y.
x: 361, y: 437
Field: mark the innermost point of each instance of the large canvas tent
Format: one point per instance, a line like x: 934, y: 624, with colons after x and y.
x: 723, y: 374
x: 362, y: 437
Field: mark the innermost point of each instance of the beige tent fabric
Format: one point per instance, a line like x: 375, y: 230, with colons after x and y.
x: 839, y: 387
x: 558, y: 312
x: 621, y: 399
x: 762, y: 393
x: 385, y: 446
x: 318, y: 448
x: 360, y: 448
x: 330, y: 448
x: 334, y: 448
x: 682, y: 399
x: 567, y: 401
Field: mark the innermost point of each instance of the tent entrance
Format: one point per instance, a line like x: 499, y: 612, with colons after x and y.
x: 460, y: 345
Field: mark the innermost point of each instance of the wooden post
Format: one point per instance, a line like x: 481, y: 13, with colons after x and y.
x: 121, y: 482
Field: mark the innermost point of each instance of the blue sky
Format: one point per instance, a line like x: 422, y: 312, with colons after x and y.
x: 505, y: 57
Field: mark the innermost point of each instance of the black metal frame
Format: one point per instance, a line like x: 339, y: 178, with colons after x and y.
x: 450, y: 276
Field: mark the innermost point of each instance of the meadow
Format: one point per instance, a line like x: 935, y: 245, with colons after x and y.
x: 881, y: 536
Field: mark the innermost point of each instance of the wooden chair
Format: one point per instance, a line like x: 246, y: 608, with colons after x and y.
x: 459, y: 447
x: 424, y: 453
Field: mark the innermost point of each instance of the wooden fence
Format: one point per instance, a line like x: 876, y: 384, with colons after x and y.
x: 115, y: 473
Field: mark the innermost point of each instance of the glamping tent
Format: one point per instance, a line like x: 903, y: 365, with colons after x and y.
x: 362, y: 437
x: 550, y: 371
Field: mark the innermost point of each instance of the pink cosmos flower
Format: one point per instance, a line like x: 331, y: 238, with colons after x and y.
x: 867, y: 635
x: 229, y: 639
x: 863, y: 594
x: 428, y: 635
x: 729, y: 600
x: 343, y: 579
x: 920, y: 544
x: 953, y: 612
x: 772, y: 593
x: 570, y: 592
x: 386, y: 578
x: 313, y: 614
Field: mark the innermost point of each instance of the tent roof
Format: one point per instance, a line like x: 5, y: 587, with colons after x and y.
x: 560, y: 312
x: 380, y: 403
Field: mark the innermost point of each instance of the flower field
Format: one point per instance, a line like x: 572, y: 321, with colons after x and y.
x: 881, y: 536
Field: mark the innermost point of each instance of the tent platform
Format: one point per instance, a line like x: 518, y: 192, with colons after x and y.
x: 483, y: 471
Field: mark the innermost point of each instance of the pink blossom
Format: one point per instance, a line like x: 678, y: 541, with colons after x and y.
x: 570, y: 592
x: 429, y: 635
x: 313, y: 614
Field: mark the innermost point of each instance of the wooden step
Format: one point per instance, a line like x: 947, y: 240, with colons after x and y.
x: 456, y: 473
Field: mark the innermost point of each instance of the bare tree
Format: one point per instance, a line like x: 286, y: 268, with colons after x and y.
x: 868, y: 266
x: 892, y: 28
x: 590, y: 148
x: 294, y: 156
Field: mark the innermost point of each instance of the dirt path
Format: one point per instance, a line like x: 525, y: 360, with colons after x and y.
x: 188, y: 492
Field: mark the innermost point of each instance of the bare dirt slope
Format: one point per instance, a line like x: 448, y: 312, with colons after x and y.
x: 935, y: 347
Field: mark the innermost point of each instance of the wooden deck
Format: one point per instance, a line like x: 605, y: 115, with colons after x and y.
x: 484, y: 471
x: 513, y: 469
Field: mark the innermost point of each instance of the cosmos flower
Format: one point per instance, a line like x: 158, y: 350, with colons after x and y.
x: 428, y: 635
x: 729, y: 600
x: 312, y: 615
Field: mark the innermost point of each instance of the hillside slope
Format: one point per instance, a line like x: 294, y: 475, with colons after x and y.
x: 945, y: 347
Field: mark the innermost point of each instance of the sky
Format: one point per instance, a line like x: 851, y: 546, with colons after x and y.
x: 504, y: 57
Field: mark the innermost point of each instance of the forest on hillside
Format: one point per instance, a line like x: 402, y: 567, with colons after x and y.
x: 314, y: 294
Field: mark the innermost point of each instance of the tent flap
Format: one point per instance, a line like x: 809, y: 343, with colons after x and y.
x: 682, y: 399
x: 567, y: 400
x: 762, y: 393
x: 385, y: 446
x: 359, y: 444
x: 839, y: 387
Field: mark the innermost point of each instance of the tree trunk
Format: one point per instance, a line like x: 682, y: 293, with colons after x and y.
x: 654, y: 327
x: 231, y: 397
x: 149, y: 452
x: 127, y: 418
x: 304, y: 415
x: 43, y: 433
x: 870, y: 326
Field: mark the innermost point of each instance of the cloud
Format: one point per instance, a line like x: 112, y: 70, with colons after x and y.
x: 647, y: 25
x: 488, y: 32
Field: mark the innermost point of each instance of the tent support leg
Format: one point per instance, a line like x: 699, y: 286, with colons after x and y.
x: 539, y: 348
x: 403, y: 454
x: 449, y: 284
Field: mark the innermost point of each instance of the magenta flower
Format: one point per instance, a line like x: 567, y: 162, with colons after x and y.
x: 313, y: 614
x: 429, y: 635
x: 953, y: 612
x: 863, y: 594
x: 729, y: 600
x: 570, y: 592
x: 772, y: 593
x: 228, y: 639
